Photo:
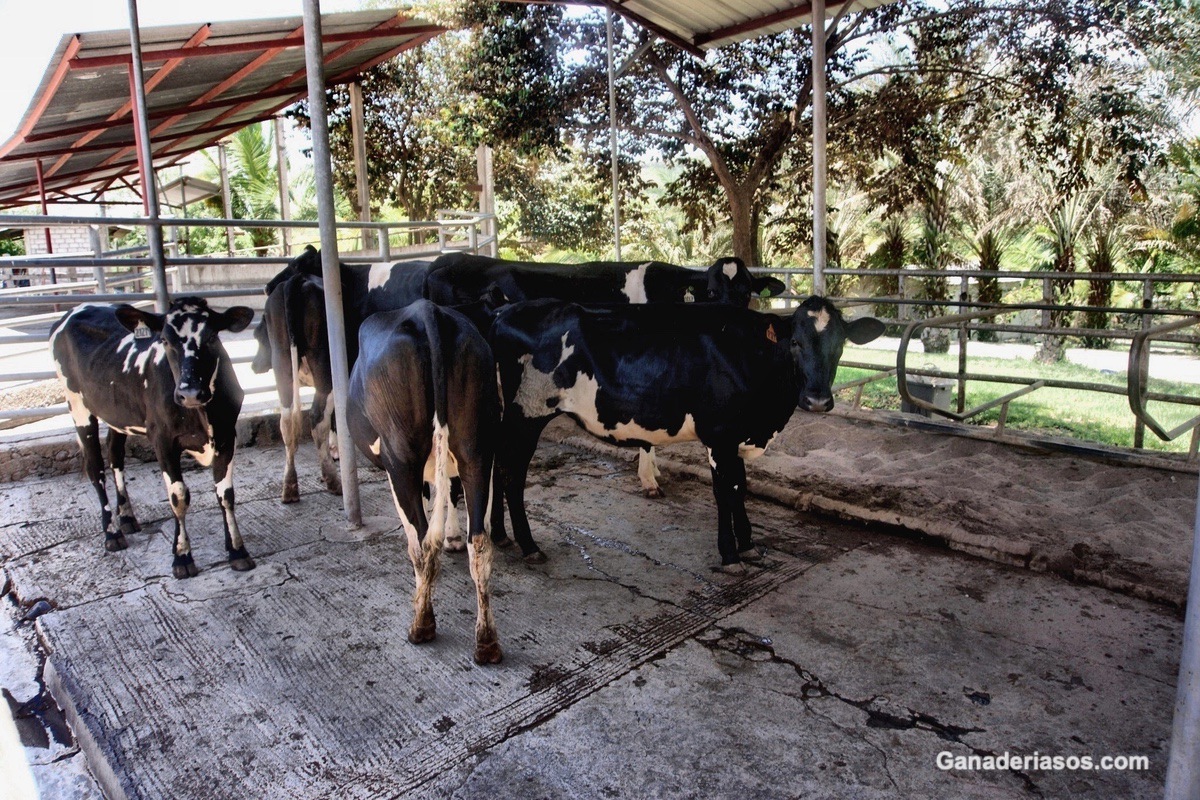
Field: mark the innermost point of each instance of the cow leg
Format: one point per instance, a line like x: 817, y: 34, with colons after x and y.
x: 518, y: 444
x: 453, y: 541
x: 290, y: 424
x: 741, y: 521
x: 473, y: 454
x: 127, y: 520
x: 222, y: 472
x: 725, y: 463
x: 93, y: 467
x: 322, y: 432
x: 405, y: 481
x: 648, y: 473
x: 182, y: 565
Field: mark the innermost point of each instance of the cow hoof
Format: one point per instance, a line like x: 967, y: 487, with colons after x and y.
x: 454, y: 544
x: 114, y: 542
x: 736, y: 568
x: 244, y: 564
x: 129, y: 526
x: 184, y: 567
x: 488, y: 653
x: 654, y: 492
x: 290, y: 497
x: 536, y: 557
x: 503, y: 542
x: 334, y: 487
x: 419, y: 634
x: 753, y: 554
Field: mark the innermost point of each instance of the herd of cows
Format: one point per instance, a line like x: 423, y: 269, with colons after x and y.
x: 457, y: 366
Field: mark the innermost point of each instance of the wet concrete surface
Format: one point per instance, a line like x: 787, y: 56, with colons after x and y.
x: 841, y: 666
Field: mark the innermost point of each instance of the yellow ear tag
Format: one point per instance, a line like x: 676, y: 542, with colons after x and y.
x: 771, y: 334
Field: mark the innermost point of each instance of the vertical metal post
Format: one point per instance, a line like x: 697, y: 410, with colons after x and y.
x: 41, y: 181
x: 226, y: 199
x: 612, y: 140
x: 1183, y: 764
x: 98, y: 252
x: 359, y: 136
x: 963, y: 338
x: 487, y: 196
x: 819, y: 160
x: 141, y: 130
x: 314, y: 58
x: 285, y: 199
x: 1139, y: 427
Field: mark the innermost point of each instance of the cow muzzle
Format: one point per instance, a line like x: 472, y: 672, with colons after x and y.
x: 192, y: 395
x: 816, y: 404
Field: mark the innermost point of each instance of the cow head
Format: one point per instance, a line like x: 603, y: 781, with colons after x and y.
x: 818, y: 335
x: 262, y: 354
x: 307, y: 263
x: 730, y: 283
x: 188, y: 335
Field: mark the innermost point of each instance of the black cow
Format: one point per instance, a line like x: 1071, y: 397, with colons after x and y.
x: 458, y: 278
x: 294, y: 343
x: 464, y: 278
x: 424, y: 405
x: 167, y: 377
x: 641, y: 376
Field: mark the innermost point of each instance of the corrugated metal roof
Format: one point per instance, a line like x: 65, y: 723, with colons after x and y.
x: 203, y: 82
x: 699, y: 25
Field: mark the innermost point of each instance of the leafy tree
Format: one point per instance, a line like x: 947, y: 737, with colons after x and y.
x: 737, y: 125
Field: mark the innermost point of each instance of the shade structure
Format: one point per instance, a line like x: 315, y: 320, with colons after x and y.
x: 203, y: 82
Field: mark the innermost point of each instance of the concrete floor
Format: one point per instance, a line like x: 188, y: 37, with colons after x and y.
x: 840, y: 667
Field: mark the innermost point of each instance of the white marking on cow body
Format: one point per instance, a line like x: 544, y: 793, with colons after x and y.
x: 635, y: 284
x: 648, y: 471
x: 580, y: 401
x: 750, y: 451
x: 177, y: 493
x: 375, y: 446
x: 730, y: 268
x: 822, y: 319
x: 205, y: 456
x: 380, y: 273
x: 536, y: 387
x: 712, y: 462
x: 136, y: 360
x: 221, y: 487
x: 75, y: 403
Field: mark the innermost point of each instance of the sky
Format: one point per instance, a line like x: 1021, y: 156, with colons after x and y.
x: 31, y: 29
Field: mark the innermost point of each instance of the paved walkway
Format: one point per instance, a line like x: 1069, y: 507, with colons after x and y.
x: 841, y: 666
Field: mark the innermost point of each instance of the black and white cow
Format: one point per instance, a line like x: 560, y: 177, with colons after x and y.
x: 464, y: 278
x: 424, y: 406
x: 457, y: 278
x: 293, y: 342
x: 641, y: 376
x: 166, y: 376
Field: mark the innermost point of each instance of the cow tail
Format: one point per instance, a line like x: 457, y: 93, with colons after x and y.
x: 293, y: 323
x: 441, y: 431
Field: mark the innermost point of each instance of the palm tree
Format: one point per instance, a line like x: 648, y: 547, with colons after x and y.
x: 253, y: 181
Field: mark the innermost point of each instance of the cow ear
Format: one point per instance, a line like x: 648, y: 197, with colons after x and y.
x: 766, y: 286
x: 864, y: 329
x: 131, y: 317
x: 234, y: 320
x: 493, y: 298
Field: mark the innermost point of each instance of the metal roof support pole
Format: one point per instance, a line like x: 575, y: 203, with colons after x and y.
x: 146, y: 162
x: 41, y: 180
x: 1183, y: 765
x: 819, y: 162
x: 612, y: 138
x: 487, y: 195
x: 359, y: 135
x: 226, y: 198
x: 330, y: 268
x: 285, y: 197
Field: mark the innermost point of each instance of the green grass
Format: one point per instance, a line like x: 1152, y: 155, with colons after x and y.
x: 1089, y: 416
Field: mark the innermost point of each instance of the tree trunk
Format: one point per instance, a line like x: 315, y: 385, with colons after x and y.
x: 741, y: 211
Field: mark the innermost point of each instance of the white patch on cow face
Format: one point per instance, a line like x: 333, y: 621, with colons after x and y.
x: 822, y: 319
x: 380, y: 273
x: 730, y: 269
x: 635, y: 285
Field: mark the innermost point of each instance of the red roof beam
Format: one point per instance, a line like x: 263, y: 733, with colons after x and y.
x: 56, y: 80
x: 288, y: 42
x: 164, y: 71
x: 767, y: 20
